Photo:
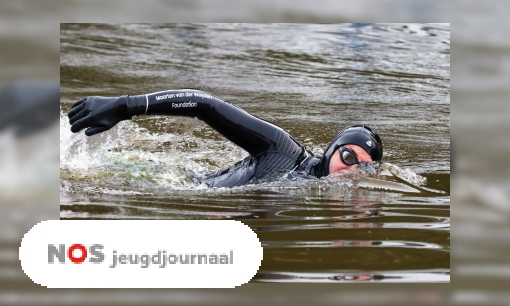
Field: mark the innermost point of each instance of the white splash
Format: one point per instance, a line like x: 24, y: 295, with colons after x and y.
x: 405, y: 174
x: 128, y: 158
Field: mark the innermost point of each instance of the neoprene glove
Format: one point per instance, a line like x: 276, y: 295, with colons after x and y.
x: 97, y: 114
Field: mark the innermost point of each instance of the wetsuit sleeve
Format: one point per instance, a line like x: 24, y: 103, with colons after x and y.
x: 245, y: 130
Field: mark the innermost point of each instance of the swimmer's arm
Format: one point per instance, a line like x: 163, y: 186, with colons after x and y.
x: 99, y: 114
x: 245, y: 130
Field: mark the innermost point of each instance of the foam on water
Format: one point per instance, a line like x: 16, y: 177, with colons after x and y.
x: 406, y: 174
x: 119, y: 160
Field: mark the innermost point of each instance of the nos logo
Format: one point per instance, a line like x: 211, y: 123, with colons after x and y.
x: 77, y: 253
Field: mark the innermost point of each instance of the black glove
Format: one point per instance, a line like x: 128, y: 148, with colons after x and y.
x: 97, y: 114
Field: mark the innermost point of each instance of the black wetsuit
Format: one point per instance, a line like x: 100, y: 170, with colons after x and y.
x: 273, y: 151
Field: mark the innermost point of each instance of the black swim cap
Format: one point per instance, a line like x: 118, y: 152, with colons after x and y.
x: 359, y: 135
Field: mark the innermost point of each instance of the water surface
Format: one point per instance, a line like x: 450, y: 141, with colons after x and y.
x: 313, y: 80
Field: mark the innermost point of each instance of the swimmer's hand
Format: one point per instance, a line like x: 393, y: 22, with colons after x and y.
x: 97, y: 114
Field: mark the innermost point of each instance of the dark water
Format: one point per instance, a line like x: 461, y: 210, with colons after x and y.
x: 313, y: 80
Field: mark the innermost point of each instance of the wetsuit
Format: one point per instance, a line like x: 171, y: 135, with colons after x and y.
x: 273, y: 151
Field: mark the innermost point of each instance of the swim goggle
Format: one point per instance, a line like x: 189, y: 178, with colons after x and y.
x: 348, y: 157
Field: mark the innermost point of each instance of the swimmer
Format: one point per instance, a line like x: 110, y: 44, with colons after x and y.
x: 273, y: 151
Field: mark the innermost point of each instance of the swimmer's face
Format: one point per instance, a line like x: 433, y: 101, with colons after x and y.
x: 337, y: 165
